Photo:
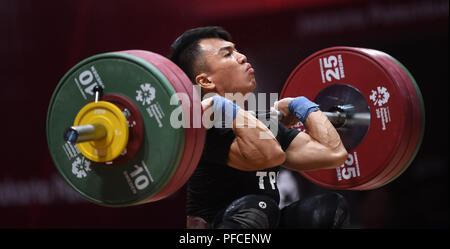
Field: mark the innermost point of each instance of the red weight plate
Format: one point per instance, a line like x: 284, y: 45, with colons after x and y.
x: 388, y: 111
x: 415, y: 124
x: 397, y: 162
x: 417, y: 118
x: 136, y: 127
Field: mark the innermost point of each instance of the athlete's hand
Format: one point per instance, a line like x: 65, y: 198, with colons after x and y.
x: 282, y: 106
x: 223, y: 110
x: 207, y: 103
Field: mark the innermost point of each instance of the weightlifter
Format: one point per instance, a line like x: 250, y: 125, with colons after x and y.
x: 234, y: 185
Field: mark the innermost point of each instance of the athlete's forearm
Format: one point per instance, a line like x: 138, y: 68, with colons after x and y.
x: 320, y: 128
x: 316, y: 123
x: 320, y: 146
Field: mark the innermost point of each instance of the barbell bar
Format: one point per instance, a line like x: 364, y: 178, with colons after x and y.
x: 371, y: 99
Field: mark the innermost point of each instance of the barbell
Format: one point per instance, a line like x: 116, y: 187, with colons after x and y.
x: 111, y: 136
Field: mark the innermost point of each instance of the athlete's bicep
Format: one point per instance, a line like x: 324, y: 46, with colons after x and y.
x: 236, y: 159
x: 244, y: 156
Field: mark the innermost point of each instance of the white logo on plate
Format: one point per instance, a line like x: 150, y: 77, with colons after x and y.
x: 380, y: 97
x: 146, y: 94
x: 80, y: 167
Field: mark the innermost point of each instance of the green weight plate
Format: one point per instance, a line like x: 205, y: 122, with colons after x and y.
x: 180, y: 177
x: 155, y: 163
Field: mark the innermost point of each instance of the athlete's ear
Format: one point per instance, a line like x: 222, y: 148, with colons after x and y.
x: 204, y: 82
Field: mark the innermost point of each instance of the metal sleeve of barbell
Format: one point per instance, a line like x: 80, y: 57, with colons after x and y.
x: 84, y: 133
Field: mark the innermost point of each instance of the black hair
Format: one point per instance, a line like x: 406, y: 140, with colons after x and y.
x: 185, y: 49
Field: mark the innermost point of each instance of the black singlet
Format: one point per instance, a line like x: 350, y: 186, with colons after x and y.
x: 214, y: 185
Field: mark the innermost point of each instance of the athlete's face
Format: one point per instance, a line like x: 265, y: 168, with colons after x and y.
x: 227, y: 70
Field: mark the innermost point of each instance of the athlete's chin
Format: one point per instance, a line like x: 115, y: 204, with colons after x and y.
x: 253, y: 85
x: 246, y: 86
x: 250, y: 87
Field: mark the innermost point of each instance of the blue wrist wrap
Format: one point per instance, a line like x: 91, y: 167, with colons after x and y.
x: 223, y: 107
x: 301, y: 107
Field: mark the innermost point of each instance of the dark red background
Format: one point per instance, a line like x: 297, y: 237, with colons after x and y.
x: 41, y: 40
